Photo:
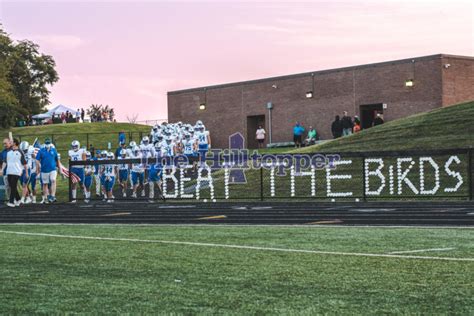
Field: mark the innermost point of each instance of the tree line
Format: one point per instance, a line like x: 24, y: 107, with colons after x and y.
x: 25, y: 78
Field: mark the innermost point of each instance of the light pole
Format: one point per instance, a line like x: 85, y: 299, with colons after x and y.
x: 270, y: 108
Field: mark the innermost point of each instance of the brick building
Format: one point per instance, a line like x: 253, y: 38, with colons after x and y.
x: 395, y: 88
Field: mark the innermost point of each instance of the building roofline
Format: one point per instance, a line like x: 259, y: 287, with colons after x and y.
x: 319, y: 72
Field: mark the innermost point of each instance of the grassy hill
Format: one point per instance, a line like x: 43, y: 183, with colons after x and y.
x: 100, y: 134
x: 444, y: 128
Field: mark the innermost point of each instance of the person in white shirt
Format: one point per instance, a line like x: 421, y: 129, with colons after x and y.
x: 260, y: 136
x: 15, y: 164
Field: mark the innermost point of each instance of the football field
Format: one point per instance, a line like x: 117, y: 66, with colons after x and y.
x: 235, y: 269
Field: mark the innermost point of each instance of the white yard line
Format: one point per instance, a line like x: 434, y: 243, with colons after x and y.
x: 421, y: 250
x: 290, y: 226
x: 200, y: 244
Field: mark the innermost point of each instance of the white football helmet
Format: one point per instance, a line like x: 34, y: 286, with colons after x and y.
x: 75, y: 145
x: 24, y: 146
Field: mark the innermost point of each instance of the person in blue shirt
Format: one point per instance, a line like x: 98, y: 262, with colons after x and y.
x: 298, y: 131
x: 47, y: 163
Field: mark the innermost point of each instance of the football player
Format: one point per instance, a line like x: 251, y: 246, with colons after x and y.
x: 109, y: 172
x: 77, y: 154
x: 154, y: 178
x: 88, y: 174
x: 123, y: 169
x: 137, y: 173
x: 203, y: 138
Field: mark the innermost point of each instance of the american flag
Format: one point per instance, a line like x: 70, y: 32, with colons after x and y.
x: 65, y: 172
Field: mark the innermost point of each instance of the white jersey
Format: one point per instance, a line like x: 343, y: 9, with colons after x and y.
x: 77, y: 155
x: 137, y: 167
x: 89, y: 170
x: 109, y: 170
x: 188, y: 146
x: 147, y: 150
x: 167, y: 150
x: 31, y: 159
x: 154, y: 136
x: 202, y: 137
x: 123, y: 166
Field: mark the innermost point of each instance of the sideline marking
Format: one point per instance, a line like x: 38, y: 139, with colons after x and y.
x: 335, y: 221
x: 38, y: 212
x: 371, y: 210
x: 117, y: 214
x: 188, y: 243
x: 422, y: 250
x: 177, y: 206
x: 212, y: 217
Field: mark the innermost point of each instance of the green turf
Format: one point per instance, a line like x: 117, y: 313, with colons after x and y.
x: 449, y: 127
x: 55, y: 275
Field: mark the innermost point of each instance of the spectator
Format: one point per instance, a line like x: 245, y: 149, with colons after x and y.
x: 15, y: 164
x: 82, y: 114
x: 298, y: 131
x: 312, y: 136
x: 92, y: 150
x: 260, y: 136
x: 7, y: 144
x: 347, y: 124
x: 78, y: 115
x: 122, y: 145
x: 356, y: 120
x: 357, y: 127
x: 378, y: 120
x: 63, y: 118
x: 336, y: 127
x: 105, y: 116
x: 47, y: 163
x: 122, y: 138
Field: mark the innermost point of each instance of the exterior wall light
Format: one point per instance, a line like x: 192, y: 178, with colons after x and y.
x: 202, y: 106
x: 409, y: 83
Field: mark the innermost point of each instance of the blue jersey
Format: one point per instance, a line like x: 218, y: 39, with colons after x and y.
x: 47, y: 159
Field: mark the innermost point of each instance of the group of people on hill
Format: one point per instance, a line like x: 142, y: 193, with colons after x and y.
x: 346, y: 126
x: 298, y: 134
x: 340, y: 127
x: 27, y: 164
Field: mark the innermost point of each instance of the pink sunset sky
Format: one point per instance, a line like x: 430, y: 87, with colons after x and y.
x: 128, y: 54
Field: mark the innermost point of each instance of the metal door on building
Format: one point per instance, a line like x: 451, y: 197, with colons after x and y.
x: 368, y: 112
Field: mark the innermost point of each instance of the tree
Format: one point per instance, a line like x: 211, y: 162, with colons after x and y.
x: 30, y: 74
x: 8, y: 104
x: 25, y: 75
